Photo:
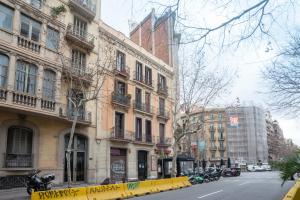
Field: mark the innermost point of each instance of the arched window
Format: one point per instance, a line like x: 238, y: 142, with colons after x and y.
x: 49, y: 85
x: 26, y: 77
x: 19, y: 147
x: 4, y: 60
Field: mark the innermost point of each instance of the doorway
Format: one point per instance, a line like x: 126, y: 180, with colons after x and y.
x: 78, y: 158
x: 118, y: 169
x: 142, y: 165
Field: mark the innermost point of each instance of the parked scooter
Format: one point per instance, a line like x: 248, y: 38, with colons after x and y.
x: 39, y: 183
x: 196, y: 179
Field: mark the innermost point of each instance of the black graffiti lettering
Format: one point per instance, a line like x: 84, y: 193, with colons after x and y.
x: 52, y: 194
x: 103, y: 188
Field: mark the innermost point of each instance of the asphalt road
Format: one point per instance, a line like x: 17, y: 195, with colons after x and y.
x: 248, y: 186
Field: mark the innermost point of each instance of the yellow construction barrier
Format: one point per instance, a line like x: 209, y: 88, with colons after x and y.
x: 113, y: 191
x: 107, y: 192
x: 294, y: 192
x: 181, y: 182
x: 61, y: 194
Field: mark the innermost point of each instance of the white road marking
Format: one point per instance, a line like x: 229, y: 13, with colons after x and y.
x: 210, y: 194
x: 244, y: 183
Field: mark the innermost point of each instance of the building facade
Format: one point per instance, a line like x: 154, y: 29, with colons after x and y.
x: 120, y: 135
x: 246, y: 135
x: 209, y: 138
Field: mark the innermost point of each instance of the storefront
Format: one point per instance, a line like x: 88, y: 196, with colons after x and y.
x: 118, y: 169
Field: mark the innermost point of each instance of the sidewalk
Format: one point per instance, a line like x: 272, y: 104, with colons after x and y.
x: 14, y: 194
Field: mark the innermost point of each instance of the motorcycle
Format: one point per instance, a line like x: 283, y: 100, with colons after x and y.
x: 196, y: 179
x: 38, y: 183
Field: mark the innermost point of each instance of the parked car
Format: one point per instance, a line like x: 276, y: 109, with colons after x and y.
x: 228, y: 172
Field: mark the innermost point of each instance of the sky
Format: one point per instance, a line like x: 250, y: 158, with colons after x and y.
x: 248, y: 59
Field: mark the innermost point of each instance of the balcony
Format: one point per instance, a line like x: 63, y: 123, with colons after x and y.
x: 120, y: 135
x: 67, y: 113
x: 144, y: 140
x: 24, y: 99
x: 143, y: 108
x: 72, y: 68
x: 123, y: 72
x: 221, y: 130
x: 212, y: 129
x: 122, y: 100
x: 80, y: 37
x: 142, y: 80
x: 213, y: 148
x: 86, y: 8
x: 212, y: 138
x: 29, y: 44
x: 3, y: 94
x: 162, y: 89
x: 48, y: 105
x: 163, y: 114
x: 221, y: 138
x: 163, y: 141
x: 18, y: 160
x: 222, y: 148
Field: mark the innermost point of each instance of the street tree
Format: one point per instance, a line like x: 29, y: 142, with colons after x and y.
x: 82, y: 84
x: 199, y: 87
x: 283, y: 79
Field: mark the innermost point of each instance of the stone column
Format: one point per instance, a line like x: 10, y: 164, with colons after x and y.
x: 11, y: 73
x: 39, y: 85
x: 16, y: 23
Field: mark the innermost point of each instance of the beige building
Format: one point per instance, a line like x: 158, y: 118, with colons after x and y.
x: 208, y: 142
x: 119, y: 135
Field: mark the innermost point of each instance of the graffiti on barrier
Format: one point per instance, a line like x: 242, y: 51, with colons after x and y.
x: 102, y: 188
x: 133, y: 186
x: 52, y: 194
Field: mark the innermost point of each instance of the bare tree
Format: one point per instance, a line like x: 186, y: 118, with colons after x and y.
x: 83, y: 84
x: 283, y: 79
x: 199, y: 87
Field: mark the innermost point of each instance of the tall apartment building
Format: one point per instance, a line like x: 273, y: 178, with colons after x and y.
x: 276, y: 142
x: 210, y: 136
x: 246, y: 135
x: 120, y: 135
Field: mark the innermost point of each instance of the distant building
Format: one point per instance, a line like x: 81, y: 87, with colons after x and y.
x: 208, y: 142
x: 276, y: 142
x: 246, y: 135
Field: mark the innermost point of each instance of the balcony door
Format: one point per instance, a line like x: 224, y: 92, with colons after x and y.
x: 80, y: 27
x: 74, y: 97
x: 148, y: 131
x: 139, y: 71
x: 161, y: 133
x: 147, y: 101
x: 161, y: 106
x: 138, y: 98
x: 78, y: 158
x: 138, y: 129
x: 119, y: 125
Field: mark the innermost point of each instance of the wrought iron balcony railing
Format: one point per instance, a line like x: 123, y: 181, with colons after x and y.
x: 12, y: 160
x: 162, y: 89
x: 122, y: 70
x: 67, y: 112
x: 163, y: 141
x: 142, y: 107
x: 121, y: 99
x: 162, y: 113
x: 141, y: 78
x: 80, y: 37
x: 120, y: 134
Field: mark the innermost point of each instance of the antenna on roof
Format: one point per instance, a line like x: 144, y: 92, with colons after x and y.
x: 131, y: 23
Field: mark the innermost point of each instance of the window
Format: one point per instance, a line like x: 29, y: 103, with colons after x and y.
x: 148, y: 76
x: 4, y: 60
x: 78, y: 60
x: 6, y: 17
x: 221, y: 144
x: 147, y: 101
x: 148, y: 131
x: 119, y: 125
x: 52, y: 39
x: 222, y: 154
x: 26, y: 77
x: 212, y: 135
x: 80, y: 27
x: 138, y: 98
x: 161, y: 106
x: 213, y: 155
x: 120, y: 87
x: 220, y: 116
x: 211, y: 116
x: 120, y: 61
x: 161, y: 132
x: 36, y: 3
x: 139, y: 71
x: 138, y: 129
x: 49, y: 85
x: 162, y: 81
x: 19, y: 147
x: 30, y: 28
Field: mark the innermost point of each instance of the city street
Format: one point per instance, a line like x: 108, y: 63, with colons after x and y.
x: 249, y: 186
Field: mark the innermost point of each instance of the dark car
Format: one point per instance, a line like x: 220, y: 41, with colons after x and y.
x: 235, y: 171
